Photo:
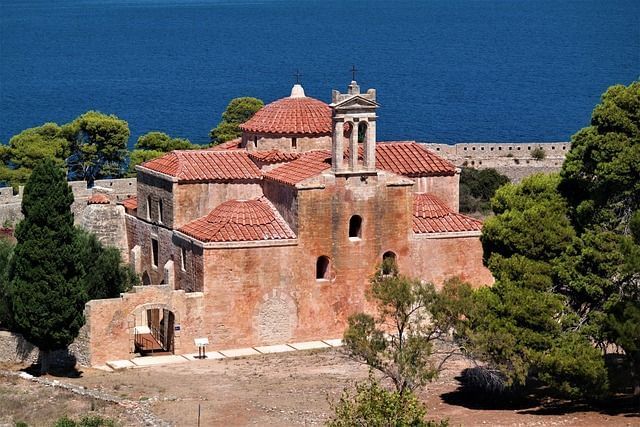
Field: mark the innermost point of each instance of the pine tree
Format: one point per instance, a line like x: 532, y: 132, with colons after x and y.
x: 46, y: 296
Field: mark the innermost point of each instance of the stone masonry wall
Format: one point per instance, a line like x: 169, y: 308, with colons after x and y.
x: 513, y: 160
x: 119, y: 189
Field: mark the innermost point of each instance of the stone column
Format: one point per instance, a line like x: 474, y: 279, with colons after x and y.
x: 353, y: 148
x: 337, y: 151
x: 370, y: 147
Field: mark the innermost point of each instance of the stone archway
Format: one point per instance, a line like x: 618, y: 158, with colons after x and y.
x: 276, y: 318
x: 152, y: 329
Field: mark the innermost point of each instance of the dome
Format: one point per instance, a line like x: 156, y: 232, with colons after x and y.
x: 242, y: 212
x: 296, y: 115
x: 98, y: 199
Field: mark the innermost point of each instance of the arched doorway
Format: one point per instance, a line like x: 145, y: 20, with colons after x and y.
x: 154, y: 330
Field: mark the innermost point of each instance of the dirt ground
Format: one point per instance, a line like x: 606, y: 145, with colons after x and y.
x: 295, y: 389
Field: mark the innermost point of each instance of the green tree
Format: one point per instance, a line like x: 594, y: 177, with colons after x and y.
x: 399, y: 341
x: 153, y: 145
x: 524, y: 325
x: 103, y: 273
x: 6, y: 252
x: 160, y: 141
x: 373, y: 405
x: 138, y: 157
x: 601, y: 173
x: 46, y: 297
x: 98, y: 146
x: 477, y: 187
x: 237, y: 112
x: 30, y: 146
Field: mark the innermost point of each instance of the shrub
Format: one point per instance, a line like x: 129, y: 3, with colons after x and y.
x: 538, y: 153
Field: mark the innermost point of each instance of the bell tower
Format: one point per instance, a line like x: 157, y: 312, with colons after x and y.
x: 354, y: 130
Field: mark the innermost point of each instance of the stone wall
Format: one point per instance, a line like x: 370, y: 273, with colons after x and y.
x: 119, y: 189
x: 14, y: 348
x: 513, y: 160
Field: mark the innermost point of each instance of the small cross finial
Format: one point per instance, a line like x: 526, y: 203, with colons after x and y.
x: 297, y: 75
x: 353, y: 70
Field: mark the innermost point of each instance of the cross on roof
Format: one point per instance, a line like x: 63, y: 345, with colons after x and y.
x: 297, y: 75
x: 353, y: 70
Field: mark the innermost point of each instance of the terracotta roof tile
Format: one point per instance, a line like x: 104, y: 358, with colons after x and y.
x: 131, y: 203
x: 240, y: 220
x: 98, y: 199
x: 205, y: 165
x: 273, y: 156
x: 431, y: 215
x: 408, y: 158
x: 307, y: 165
x: 234, y: 144
x: 292, y: 116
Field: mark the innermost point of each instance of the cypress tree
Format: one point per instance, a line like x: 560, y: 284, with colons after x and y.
x: 46, y: 296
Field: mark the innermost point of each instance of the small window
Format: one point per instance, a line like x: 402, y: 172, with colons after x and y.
x: 491, y: 148
x: 183, y: 259
x: 362, y: 132
x: 160, y: 211
x: 355, y: 227
x: 294, y: 142
x: 149, y: 208
x: 499, y: 148
x: 389, y: 263
x: 255, y: 141
x: 323, y: 268
x: 154, y: 252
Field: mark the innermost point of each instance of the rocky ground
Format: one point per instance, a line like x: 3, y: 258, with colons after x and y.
x: 278, y: 390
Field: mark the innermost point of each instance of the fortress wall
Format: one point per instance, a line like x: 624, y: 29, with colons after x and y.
x: 511, y: 159
x: 116, y: 189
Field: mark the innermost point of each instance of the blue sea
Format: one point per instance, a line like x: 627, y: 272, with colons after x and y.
x: 445, y: 70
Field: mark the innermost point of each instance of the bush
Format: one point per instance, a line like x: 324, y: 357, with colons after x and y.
x: 373, y: 405
x: 86, y: 421
x: 538, y: 153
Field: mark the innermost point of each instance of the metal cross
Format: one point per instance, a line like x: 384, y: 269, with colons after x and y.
x: 354, y: 70
x: 297, y: 75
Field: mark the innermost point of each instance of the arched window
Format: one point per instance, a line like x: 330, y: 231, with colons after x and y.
x: 323, y: 268
x: 362, y: 132
x: 347, y: 129
x: 389, y: 263
x: 146, y: 280
x: 355, y: 227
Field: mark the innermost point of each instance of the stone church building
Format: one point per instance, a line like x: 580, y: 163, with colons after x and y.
x: 272, y: 238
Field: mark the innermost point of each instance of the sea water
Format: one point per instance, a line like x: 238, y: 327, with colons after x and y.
x: 445, y: 70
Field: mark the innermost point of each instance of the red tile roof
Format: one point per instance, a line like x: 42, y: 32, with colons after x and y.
x: 205, y: 165
x: 234, y: 144
x: 307, y: 165
x: 272, y: 156
x: 408, y: 158
x: 240, y: 220
x: 98, y: 199
x: 131, y: 203
x: 292, y: 116
x: 431, y: 215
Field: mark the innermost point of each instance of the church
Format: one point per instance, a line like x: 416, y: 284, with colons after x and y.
x: 272, y: 238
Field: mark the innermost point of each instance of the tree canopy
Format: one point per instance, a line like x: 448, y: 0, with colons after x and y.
x: 564, y: 252
x: 98, y: 146
x: 25, y: 150
x: 153, y: 145
x: 477, y: 187
x: 237, y: 112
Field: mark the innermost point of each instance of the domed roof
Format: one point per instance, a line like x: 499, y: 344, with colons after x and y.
x: 296, y: 115
x: 242, y: 212
x: 240, y: 220
x: 98, y: 199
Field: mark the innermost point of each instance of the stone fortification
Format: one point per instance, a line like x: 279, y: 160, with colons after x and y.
x: 117, y: 189
x: 514, y: 160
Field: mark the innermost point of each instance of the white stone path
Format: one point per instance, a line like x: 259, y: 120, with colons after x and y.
x: 142, y: 362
